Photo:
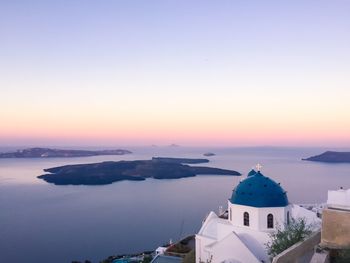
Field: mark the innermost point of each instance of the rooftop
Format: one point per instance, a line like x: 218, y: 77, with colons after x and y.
x: 339, y: 199
x: 258, y: 190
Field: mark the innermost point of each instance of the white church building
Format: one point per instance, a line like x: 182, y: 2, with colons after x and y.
x: 257, y: 205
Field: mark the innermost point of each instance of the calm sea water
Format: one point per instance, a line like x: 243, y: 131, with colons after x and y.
x: 40, y: 222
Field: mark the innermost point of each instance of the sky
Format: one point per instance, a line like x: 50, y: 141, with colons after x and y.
x: 196, y: 73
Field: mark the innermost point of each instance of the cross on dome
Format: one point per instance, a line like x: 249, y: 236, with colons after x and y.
x: 258, y: 167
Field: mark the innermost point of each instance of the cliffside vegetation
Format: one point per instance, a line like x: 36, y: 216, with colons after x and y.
x: 297, y: 230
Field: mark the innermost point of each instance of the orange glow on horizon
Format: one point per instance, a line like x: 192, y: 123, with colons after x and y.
x: 252, y: 135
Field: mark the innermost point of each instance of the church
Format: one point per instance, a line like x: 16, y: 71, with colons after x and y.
x: 257, y: 206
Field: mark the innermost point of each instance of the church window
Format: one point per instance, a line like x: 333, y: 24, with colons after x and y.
x: 269, y: 221
x: 246, y: 219
x: 288, y: 218
x: 230, y: 214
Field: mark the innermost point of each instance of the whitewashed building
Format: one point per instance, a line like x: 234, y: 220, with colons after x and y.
x: 257, y: 206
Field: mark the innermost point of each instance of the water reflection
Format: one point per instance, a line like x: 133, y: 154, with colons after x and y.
x: 40, y: 222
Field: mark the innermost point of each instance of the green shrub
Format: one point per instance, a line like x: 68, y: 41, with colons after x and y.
x: 190, y: 257
x: 179, y: 248
x: 291, y: 234
x: 340, y: 256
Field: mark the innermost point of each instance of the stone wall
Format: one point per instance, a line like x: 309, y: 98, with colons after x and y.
x: 301, y: 252
x: 335, y: 229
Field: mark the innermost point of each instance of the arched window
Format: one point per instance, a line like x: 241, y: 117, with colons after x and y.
x: 230, y: 214
x: 269, y: 221
x: 246, y: 219
x: 288, y: 218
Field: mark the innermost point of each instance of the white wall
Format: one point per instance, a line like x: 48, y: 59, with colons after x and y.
x: 339, y: 199
x: 232, y: 249
x: 201, y: 243
x: 228, y: 248
x: 257, y: 216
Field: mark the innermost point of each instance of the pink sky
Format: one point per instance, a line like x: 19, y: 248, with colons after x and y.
x: 226, y: 73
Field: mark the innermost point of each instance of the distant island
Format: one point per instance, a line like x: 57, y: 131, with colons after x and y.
x: 180, y: 160
x: 208, y: 154
x: 47, y: 152
x: 331, y: 157
x: 109, y: 172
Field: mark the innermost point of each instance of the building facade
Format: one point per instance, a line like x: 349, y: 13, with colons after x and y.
x: 257, y: 207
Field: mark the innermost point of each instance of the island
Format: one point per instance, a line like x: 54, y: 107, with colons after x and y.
x: 330, y: 157
x: 208, y: 154
x: 109, y: 172
x: 180, y: 160
x: 48, y: 152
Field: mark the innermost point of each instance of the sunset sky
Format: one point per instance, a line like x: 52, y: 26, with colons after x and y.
x: 225, y: 73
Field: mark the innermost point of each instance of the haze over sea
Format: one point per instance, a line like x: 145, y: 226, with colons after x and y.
x: 41, y: 222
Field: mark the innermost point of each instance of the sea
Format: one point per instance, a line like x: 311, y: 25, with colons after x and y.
x: 42, y: 222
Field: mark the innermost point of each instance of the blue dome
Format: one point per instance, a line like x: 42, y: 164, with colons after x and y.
x: 259, y: 191
x: 251, y: 173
